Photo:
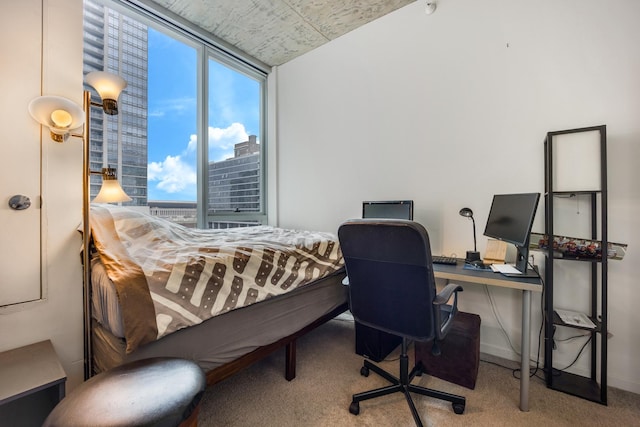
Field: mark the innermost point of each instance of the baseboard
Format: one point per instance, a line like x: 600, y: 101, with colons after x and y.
x: 507, y: 357
x: 624, y: 385
x: 497, y: 351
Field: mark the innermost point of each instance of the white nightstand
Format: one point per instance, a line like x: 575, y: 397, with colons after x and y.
x: 32, y: 382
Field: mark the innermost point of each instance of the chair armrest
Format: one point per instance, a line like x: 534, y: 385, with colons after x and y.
x: 445, y: 294
x: 444, y: 313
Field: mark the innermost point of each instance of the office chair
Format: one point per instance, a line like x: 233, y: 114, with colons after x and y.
x: 392, y: 288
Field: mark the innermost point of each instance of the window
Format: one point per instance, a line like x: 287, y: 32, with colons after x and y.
x: 189, y: 139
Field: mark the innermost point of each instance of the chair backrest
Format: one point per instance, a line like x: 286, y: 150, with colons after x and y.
x: 391, y: 282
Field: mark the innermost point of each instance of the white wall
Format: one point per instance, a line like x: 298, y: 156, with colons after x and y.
x: 451, y: 108
x: 434, y: 108
x: 59, y: 316
x: 21, y: 229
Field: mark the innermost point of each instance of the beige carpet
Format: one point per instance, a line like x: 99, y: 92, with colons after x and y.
x: 328, y: 373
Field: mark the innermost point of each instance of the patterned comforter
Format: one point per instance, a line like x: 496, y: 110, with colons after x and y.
x: 169, y: 277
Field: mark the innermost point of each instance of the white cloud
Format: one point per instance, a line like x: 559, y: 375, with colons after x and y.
x: 177, y: 174
x: 173, y: 174
x: 172, y: 107
x: 226, y: 138
x: 221, y: 141
x: 192, y: 146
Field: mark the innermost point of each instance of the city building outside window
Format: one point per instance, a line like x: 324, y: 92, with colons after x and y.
x: 188, y: 142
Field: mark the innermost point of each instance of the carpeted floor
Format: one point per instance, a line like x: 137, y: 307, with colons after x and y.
x: 328, y: 373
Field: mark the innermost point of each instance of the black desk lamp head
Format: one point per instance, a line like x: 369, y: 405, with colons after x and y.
x: 471, y: 255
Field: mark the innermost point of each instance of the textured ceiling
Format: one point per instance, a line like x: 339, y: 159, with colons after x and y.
x: 276, y: 31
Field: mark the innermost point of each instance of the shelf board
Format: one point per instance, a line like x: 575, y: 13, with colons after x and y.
x: 569, y: 258
x: 558, y: 321
x: 577, y: 385
x: 588, y: 249
x: 567, y: 193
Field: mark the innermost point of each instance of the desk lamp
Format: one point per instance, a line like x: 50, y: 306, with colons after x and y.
x: 471, y: 255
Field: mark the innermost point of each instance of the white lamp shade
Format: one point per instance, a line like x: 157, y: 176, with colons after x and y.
x: 106, y: 84
x: 67, y: 113
x: 111, y: 192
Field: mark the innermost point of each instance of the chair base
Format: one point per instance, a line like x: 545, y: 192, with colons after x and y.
x: 403, y: 385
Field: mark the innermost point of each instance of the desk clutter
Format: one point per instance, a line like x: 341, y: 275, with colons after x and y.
x: 496, y: 252
x: 458, y: 363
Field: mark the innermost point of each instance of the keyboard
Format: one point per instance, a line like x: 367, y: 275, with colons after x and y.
x: 440, y: 259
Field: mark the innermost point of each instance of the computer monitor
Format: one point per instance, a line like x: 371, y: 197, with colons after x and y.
x: 392, y: 209
x: 510, y: 220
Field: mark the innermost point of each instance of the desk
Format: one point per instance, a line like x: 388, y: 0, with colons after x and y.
x: 457, y: 273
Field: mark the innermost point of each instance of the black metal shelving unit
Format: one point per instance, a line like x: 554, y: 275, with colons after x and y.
x: 593, y: 387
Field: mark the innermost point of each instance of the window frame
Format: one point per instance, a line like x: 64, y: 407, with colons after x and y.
x: 209, y: 53
x: 209, y: 47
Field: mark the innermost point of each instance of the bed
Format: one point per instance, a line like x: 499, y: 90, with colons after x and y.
x: 223, y: 298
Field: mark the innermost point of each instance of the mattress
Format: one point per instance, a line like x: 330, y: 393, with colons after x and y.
x: 168, y: 277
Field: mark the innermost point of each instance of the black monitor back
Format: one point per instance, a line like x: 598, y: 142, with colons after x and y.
x: 390, y: 209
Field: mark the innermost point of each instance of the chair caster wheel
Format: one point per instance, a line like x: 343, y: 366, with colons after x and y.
x: 354, y: 408
x: 364, y: 371
x: 458, y: 408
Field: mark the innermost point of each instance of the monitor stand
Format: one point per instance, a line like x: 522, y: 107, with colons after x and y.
x: 532, y: 273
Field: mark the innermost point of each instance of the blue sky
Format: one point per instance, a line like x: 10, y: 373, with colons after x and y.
x: 234, y: 113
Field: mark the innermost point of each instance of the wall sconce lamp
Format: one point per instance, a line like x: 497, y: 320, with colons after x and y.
x: 110, y: 191
x: 63, y: 116
x: 109, y: 86
x: 59, y: 114
x: 471, y: 255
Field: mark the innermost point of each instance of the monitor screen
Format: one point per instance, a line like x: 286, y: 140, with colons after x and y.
x: 510, y: 220
x: 511, y: 217
x: 393, y: 209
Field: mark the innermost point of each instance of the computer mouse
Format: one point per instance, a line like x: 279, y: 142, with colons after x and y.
x: 478, y: 264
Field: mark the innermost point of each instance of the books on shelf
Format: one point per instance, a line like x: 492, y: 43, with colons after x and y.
x: 576, y: 247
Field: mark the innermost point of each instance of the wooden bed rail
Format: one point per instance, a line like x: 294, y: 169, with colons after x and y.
x: 228, y: 369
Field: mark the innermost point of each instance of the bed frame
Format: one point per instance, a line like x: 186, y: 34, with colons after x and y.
x: 218, y: 348
x: 219, y: 373
x: 223, y: 372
